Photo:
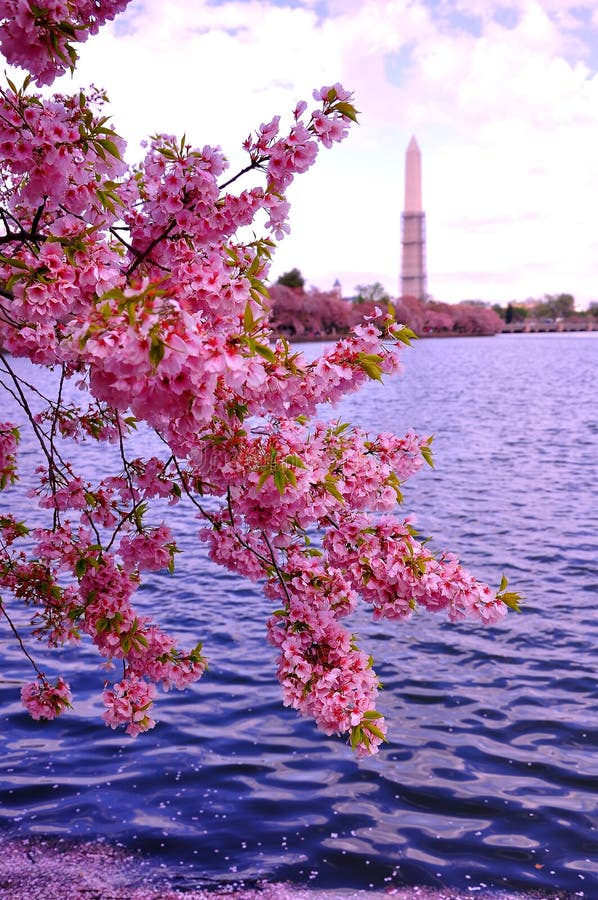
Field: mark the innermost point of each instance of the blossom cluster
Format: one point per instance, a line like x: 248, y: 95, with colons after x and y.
x: 395, y: 573
x: 135, y: 284
x: 39, y: 36
x: 127, y: 703
x: 9, y: 437
x: 323, y: 672
x: 44, y: 700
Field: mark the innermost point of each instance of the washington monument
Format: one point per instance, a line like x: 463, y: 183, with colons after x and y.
x: 413, y: 231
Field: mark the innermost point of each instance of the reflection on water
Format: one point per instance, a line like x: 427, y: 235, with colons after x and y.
x: 491, y: 773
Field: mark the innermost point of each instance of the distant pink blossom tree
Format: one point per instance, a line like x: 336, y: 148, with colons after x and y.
x: 437, y: 321
x: 310, y: 314
x: 133, y: 283
x: 461, y: 318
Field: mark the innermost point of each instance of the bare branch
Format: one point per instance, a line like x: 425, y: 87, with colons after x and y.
x: 20, y: 640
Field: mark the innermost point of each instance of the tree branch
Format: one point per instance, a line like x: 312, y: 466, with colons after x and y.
x: 255, y: 164
x: 20, y: 640
x: 143, y: 255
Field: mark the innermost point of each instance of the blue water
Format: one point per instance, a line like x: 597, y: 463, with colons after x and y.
x: 491, y: 773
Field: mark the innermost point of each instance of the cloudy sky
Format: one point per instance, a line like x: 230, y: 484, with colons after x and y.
x: 502, y: 96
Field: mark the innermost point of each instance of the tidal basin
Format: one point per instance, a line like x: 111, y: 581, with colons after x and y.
x: 489, y: 780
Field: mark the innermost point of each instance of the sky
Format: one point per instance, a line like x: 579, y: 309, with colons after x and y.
x: 502, y: 96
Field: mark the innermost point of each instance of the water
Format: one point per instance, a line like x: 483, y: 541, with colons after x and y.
x: 491, y: 774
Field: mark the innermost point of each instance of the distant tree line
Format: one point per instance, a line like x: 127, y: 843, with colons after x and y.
x: 300, y: 313
x: 551, y: 306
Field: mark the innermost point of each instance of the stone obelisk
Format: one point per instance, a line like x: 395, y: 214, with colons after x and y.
x: 413, y: 231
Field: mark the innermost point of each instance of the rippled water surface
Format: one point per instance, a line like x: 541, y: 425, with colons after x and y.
x: 491, y: 773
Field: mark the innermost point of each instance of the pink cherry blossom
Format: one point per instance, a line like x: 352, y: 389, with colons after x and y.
x: 127, y: 703
x: 9, y: 436
x: 44, y: 700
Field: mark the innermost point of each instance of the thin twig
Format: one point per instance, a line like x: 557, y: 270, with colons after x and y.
x: 256, y: 164
x: 22, y: 401
x: 19, y: 397
x: 193, y: 499
x: 279, y: 574
x: 53, y: 427
x: 143, y: 255
x: 20, y: 640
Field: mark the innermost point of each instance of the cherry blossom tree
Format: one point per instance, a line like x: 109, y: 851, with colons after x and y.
x: 310, y: 314
x: 132, y: 282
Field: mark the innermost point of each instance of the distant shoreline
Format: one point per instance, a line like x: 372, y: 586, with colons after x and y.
x: 329, y: 338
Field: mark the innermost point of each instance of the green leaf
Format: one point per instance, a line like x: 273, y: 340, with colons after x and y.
x: 259, y: 287
x: 346, y: 109
x: 254, y: 266
x: 398, y: 493
x: 290, y: 477
x: 511, y: 599
x: 293, y: 460
x: 375, y: 730
x: 265, y: 352
x: 331, y: 488
x: 405, y: 335
x: 279, y: 480
x: 255, y: 296
x: 370, y: 363
x: 105, y: 200
x: 20, y: 527
x: 248, y: 320
x: 138, y: 514
x: 372, y: 371
x: 195, y: 655
x: 66, y: 28
x: 427, y: 454
x: 11, y: 261
x: 109, y: 146
x: 263, y: 477
x: 81, y: 567
x: 76, y: 613
x: 156, y: 351
x: 342, y: 426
